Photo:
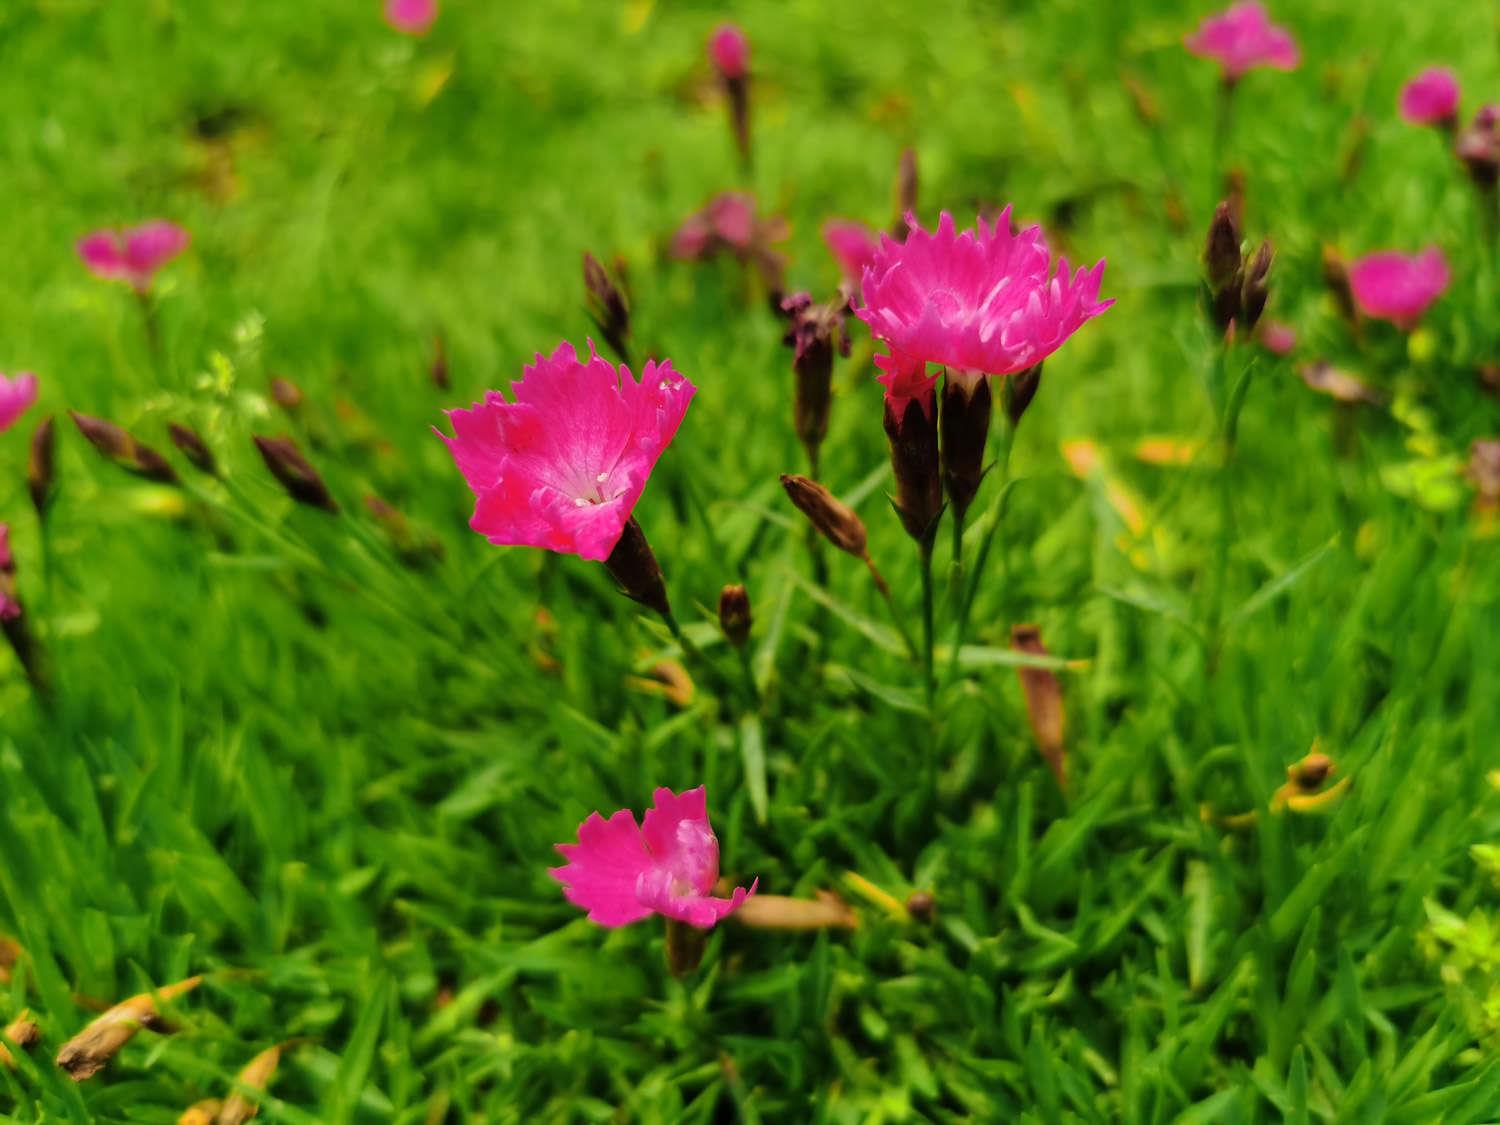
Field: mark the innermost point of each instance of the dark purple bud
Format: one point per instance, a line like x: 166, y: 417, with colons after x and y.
x: 41, y: 467
x: 123, y: 449
x: 965, y: 426
x: 734, y: 615
x: 193, y: 447
x: 634, y: 567
x: 295, y: 474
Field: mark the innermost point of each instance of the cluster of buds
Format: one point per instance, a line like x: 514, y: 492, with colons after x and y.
x: 295, y: 473
x: 815, y: 332
x: 1237, y: 285
x: 1478, y: 146
x: 608, y: 303
x: 124, y: 450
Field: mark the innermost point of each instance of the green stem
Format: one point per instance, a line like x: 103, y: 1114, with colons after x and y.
x: 929, y: 682
x: 991, y: 534
x: 751, y: 689
x: 1223, y: 117
x: 956, y: 566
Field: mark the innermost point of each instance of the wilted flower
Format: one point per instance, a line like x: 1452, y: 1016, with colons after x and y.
x: 833, y: 519
x: 132, y: 255
x: 981, y: 302
x: 854, y: 246
x: 1243, y: 37
x: 411, y: 17
x: 621, y: 873
x: 17, y: 393
x: 1398, y: 287
x: 563, y: 465
x: 1431, y: 98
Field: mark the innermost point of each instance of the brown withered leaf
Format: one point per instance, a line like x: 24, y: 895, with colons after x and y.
x: 1044, y: 703
x: 84, y: 1055
x: 824, y: 911
x: 240, y: 1107
x: 1327, y: 379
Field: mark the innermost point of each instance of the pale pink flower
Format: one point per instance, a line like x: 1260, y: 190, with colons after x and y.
x: 1276, y: 337
x: 905, y: 379
x: 854, y: 246
x: 981, y: 302
x: 1398, y: 287
x: 411, y: 17
x: 1431, y: 98
x: 132, y: 255
x: 729, y: 51
x: 1243, y: 37
x: 16, y: 396
x: 563, y: 465
x: 621, y: 873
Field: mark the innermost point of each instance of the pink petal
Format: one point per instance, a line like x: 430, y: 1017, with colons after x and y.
x: 411, y: 17
x: 1431, y: 98
x: 16, y: 396
x: 603, y: 869
x: 729, y: 51
x: 102, y: 254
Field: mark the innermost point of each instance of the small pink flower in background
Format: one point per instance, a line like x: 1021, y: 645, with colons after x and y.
x: 854, y: 245
x: 1398, y: 287
x: 727, y: 221
x: 563, y: 465
x: 980, y: 302
x: 16, y: 396
x: 411, y: 17
x: 1243, y: 37
x: 1431, y: 98
x: 729, y: 51
x: 905, y: 379
x: 621, y: 873
x: 1276, y: 337
x: 132, y: 255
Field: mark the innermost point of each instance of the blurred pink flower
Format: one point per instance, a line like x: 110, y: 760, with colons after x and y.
x: 1431, y: 98
x: 1398, y: 287
x: 729, y: 51
x: 854, y: 245
x: 563, y: 465
x: 905, y: 379
x: 621, y: 873
x: 1243, y: 37
x: 132, y: 255
x: 978, y: 302
x: 727, y: 221
x: 16, y: 396
x: 411, y: 17
x: 1276, y: 337
x: 1478, y: 146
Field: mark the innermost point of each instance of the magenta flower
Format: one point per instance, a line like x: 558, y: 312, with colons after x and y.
x: 854, y: 246
x: 563, y: 465
x: 729, y: 51
x: 411, y: 17
x: 620, y: 873
x: 16, y: 396
x: 133, y: 255
x: 905, y: 379
x: 979, y: 302
x: 1243, y: 37
x: 1431, y: 98
x: 1398, y: 287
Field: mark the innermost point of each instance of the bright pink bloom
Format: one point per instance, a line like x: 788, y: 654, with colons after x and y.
x: 1276, y: 337
x: 133, y: 255
x: 854, y: 245
x: 620, y: 873
x: 729, y: 51
x: 1431, y: 98
x: 905, y: 379
x: 1398, y: 287
x: 1243, y: 37
x: 563, y: 465
x: 978, y: 302
x: 411, y: 17
x: 16, y: 396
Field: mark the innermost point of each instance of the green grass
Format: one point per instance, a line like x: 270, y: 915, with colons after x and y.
x: 275, y: 750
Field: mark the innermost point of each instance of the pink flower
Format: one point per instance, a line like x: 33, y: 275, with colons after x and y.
x: 411, y: 17
x: 1243, y: 37
x: 854, y: 245
x: 1398, y: 287
x: 620, y: 873
x: 1431, y: 98
x: 729, y: 51
x: 133, y: 255
x: 16, y: 396
x: 905, y: 379
x: 563, y: 465
x: 978, y: 302
x: 1276, y: 337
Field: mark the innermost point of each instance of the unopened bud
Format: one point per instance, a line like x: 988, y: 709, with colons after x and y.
x: 906, y: 190
x: 634, y: 567
x: 124, y: 450
x: 833, y: 519
x: 240, y: 1106
x: 1023, y: 388
x: 608, y: 307
x: 295, y: 474
x: 915, y: 464
x: 1256, y: 288
x: 286, y: 394
x: 41, y: 467
x: 1478, y: 146
x: 734, y: 615
x: 815, y: 332
x: 1222, y: 262
x: 192, y: 446
x: 965, y: 428
x: 922, y: 906
x: 437, y: 371
x: 1311, y: 772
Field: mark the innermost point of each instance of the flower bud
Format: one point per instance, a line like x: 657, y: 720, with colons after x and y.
x: 1478, y: 146
x: 295, y: 474
x: 906, y: 192
x: 1256, y: 288
x: 41, y: 467
x: 1222, y: 263
x: 915, y: 465
x: 192, y: 446
x: 734, y: 615
x: 1023, y: 388
x: 634, y: 567
x: 922, y: 906
x: 833, y: 519
x: 729, y: 51
x: 814, y: 331
x: 123, y: 449
x: 437, y: 371
x: 608, y: 307
x: 286, y: 394
x: 965, y: 426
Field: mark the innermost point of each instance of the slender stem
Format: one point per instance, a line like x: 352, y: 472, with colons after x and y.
x: 153, y: 330
x: 1223, y: 115
x: 751, y: 689
x: 885, y: 592
x: 991, y: 534
x: 929, y: 683
x: 956, y: 566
